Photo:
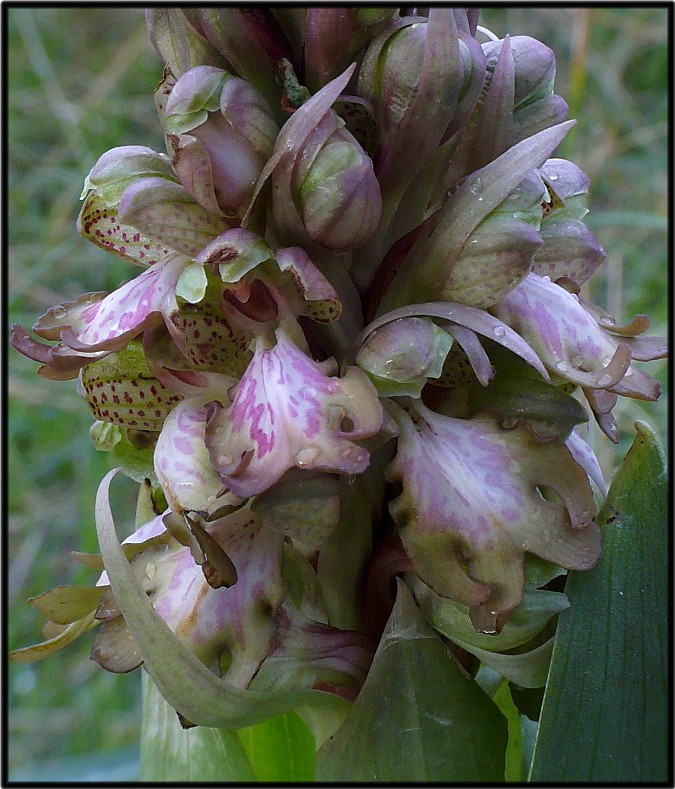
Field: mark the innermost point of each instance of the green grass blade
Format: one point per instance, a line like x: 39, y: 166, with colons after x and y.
x: 605, y: 710
x: 418, y: 717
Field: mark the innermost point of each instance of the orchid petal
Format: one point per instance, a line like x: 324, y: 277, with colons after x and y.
x: 470, y: 494
x: 182, y: 462
x: 164, y: 210
x: 287, y: 412
x: 564, y: 334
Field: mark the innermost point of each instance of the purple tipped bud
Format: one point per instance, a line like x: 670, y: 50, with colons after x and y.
x: 218, y: 137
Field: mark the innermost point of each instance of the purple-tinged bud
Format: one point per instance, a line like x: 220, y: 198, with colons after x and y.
x: 219, y: 138
x: 324, y: 189
x: 422, y: 76
x: 98, y: 220
x: 174, y: 32
x: 333, y: 36
x: 536, y: 107
x: 403, y: 354
x: 251, y: 42
x: 508, y: 187
x: 338, y: 194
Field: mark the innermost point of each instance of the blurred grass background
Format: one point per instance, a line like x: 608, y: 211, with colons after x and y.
x: 80, y: 81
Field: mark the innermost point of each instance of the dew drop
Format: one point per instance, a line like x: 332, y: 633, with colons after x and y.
x: 499, y: 331
x: 347, y: 453
x: 546, y: 278
x: 60, y: 312
x: 604, y: 380
x: 225, y: 460
x: 577, y: 360
x: 307, y: 456
x: 476, y: 186
x: 151, y: 570
x: 480, y: 200
x: 629, y: 372
x: 563, y: 366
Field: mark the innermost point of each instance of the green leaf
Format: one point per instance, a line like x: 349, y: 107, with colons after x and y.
x: 419, y: 716
x: 609, y: 670
x: 280, y: 749
x: 513, y: 771
x: 171, y: 753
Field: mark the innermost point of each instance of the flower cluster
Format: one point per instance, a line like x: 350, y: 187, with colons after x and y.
x: 355, y: 348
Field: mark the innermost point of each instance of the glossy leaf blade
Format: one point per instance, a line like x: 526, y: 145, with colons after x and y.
x: 171, y: 753
x: 419, y: 717
x: 280, y: 749
x: 609, y: 671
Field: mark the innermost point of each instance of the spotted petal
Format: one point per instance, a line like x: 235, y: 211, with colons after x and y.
x: 473, y: 504
x: 289, y: 412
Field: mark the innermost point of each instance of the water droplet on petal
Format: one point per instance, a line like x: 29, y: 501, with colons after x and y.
x: 604, y: 380
x: 151, y: 570
x: 480, y: 199
x: 546, y: 279
x: 552, y: 176
x: 499, y: 331
x: 60, y: 312
x: 563, y: 366
x: 629, y: 372
x: 577, y: 360
x: 347, y: 453
x: 307, y: 456
x: 225, y: 460
x: 476, y: 186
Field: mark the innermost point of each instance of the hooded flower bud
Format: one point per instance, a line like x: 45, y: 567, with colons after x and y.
x: 219, y: 136
x: 135, y: 208
x: 535, y: 106
x: 403, y: 354
x: 323, y: 185
x: 569, y: 248
x: 422, y: 76
x: 251, y: 42
x: 333, y: 36
x: 175, y: 34
x: 481, y: 242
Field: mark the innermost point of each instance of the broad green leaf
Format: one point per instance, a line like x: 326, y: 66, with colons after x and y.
x: 66, y: 604
x: 171, y: 753
x: 609, y: 670
x: 280, y: 749
x: 419, y: 716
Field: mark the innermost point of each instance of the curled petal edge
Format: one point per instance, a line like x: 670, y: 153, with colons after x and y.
x: 186, y: 683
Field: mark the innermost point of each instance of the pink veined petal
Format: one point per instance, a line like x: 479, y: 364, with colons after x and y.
x: 472, y: 505
x: 108, y: 324
x: 564, y: 334
x: 234, y: 624
x: 585, y: 457
x: 182, y: 462
x: 288, y: 412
